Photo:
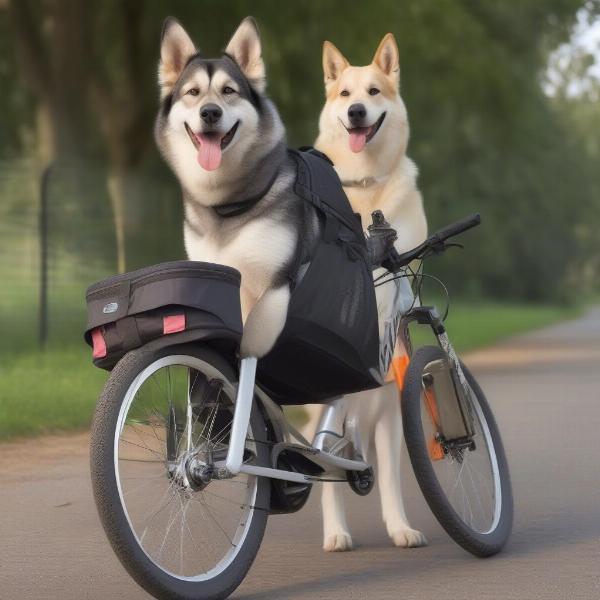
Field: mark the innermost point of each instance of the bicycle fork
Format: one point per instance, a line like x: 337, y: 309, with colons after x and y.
x: 428, y: 315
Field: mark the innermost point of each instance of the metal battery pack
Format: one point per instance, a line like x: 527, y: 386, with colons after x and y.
x: 438, y: 379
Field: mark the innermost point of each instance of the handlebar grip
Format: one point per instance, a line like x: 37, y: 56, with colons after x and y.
x: 458, y: 227
x: 395, y: 261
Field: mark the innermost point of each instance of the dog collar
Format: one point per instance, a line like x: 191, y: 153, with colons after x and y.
x: 365, y: 182
x: 234, y: 209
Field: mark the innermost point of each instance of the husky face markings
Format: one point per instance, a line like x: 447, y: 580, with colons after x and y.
x: 211, y: 107
x: 363, y: 102
x: 214, y: 107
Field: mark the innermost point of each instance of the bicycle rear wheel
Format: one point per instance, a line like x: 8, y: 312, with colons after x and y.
x: 465, y: 482
x: 162, y: 421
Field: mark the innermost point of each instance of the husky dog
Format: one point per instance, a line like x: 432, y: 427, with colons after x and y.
x: 224, y: 140
x: 363, y: 128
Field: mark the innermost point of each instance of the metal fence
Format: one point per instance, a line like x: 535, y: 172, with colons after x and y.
x: 57, y: 235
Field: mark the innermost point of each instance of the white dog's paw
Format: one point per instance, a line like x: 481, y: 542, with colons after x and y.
x: 408, y: 538
x: 338, y: 542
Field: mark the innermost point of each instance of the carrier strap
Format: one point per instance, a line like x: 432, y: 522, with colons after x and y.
x: 319, y: 186
x: 318, y: 183
x: 127, y: 330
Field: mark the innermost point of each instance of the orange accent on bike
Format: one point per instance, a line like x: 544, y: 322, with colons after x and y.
x: 432, y: 409
x: 399, y: 366
x: 436, y: 452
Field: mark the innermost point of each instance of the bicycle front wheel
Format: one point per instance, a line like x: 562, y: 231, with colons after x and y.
x: 162, y: 422
x: 465, y: 481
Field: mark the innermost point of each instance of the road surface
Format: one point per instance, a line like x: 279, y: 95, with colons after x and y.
x: 545, y: 391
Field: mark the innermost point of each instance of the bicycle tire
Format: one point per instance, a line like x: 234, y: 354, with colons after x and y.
x: 478, y: 543
x: 145, y: 571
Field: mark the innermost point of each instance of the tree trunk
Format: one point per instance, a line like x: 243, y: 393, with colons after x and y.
x: 117, y: 190
x: 61, y: 66
x: 123, y: 120
x: 46, y: 134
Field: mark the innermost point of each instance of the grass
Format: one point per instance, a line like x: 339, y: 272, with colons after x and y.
x: 473, y: 325
x: 43, y: 392
x: 53, y: 391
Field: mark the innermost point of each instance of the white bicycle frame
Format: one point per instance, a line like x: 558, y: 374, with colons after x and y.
x: 234, y: 463
x: 321, y: 451
x: 335, y: 434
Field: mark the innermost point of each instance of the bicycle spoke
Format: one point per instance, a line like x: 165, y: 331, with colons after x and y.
x: 481, y: 510
x: 219, y: 526
x: 186, y: 532
x: 142, y: 447
x: 168, y: 531
x: 465, y: 475
x: 223, y: 498
x: 141, y: 486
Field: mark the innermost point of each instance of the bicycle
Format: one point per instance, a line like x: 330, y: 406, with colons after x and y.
x: 189, y: 457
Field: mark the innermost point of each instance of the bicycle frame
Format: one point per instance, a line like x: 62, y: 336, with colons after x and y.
x: 241, y: 418
x: 428, y: 315
x: 333, y: 465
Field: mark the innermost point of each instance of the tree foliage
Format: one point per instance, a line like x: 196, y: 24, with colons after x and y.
x: 483, y: 133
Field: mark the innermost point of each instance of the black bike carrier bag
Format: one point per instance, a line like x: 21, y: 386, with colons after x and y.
x: 330, y: 343
x: 166, y: 304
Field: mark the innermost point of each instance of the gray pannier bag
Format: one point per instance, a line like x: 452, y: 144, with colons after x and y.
x: 162, y: 305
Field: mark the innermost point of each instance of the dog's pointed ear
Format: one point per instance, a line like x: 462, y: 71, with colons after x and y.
x: 246, y: 49
x: 176, y: 48
x: 334, y: 62
x: 387, y: 57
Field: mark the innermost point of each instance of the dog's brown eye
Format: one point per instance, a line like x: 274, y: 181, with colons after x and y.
x: 193, y: 91
x: 344, y: 93
x: 228, y: 90
x: 373, y: 91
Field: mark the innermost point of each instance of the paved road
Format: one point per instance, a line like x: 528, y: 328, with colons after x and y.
x: 545, y: 391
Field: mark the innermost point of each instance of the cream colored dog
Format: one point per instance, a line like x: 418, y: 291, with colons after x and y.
x: 364, y: 130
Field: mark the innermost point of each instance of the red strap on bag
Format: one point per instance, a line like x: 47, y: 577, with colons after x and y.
x: 98, y: 343
x: 173, y: 324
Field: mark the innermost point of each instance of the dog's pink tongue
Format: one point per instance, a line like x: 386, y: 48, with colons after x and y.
x: 358, y: 139
x: 209, y: 153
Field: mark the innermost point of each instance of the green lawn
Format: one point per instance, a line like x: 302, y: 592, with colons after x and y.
x: 474, y: 325
x: 51, y: 391
x: 47, y: 391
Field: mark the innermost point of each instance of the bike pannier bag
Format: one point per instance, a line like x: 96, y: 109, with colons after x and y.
x: 330, y: 342
x: 168, y: 303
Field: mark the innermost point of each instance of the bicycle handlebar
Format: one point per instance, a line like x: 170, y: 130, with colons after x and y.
x: 395, y: 261
x: 458, y: 227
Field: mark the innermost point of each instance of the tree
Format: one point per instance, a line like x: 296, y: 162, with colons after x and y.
x: 483, y: 133
x: 60, y: 52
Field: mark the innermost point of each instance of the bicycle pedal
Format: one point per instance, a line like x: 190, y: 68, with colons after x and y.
x: 361, y: 482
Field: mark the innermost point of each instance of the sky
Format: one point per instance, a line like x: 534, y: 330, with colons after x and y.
x: 575, y: 66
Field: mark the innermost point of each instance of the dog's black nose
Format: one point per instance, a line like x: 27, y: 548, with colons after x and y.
x: 211, y: 114
x: 356, y: 113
